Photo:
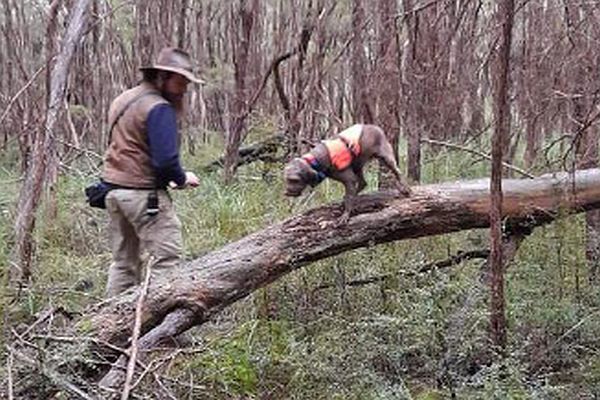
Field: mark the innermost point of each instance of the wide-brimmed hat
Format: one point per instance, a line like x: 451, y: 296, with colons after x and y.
x: 175, y: 60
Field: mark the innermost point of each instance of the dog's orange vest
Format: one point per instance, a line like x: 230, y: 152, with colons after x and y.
x: 343, y: 149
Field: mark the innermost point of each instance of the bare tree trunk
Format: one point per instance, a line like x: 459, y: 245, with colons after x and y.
x: 584, y: 102
x: 181, y: 28
x: 499, y: 139
x: 528, y: 106
x: 319, y: 116
x: 387, y: 81
x: 298, y: 85
x: 14, y: 76
x: 241, y: 46
x: 592, y: 245
x: 143, y: 49
x: 292, y: 108
x: 586, y: 153
x: 361, y: 99
x: 412, y: 131
x: 51, y: 39
x: 44, y: 151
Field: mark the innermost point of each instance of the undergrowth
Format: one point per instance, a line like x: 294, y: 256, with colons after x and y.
x: 410, y: 336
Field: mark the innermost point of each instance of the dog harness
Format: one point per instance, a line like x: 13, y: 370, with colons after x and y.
x: 342, y: 151
x: 345, y: 148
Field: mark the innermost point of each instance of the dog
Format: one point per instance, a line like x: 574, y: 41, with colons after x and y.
x: 343, y: 159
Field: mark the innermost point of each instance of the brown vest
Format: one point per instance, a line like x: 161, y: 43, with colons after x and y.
x: 127, y: 159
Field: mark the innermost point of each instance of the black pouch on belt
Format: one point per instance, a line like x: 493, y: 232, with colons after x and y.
x: 96, y: 194
x: 152, y: 205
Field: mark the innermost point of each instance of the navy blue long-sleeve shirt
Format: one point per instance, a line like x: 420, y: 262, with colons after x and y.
x: 161, y: 127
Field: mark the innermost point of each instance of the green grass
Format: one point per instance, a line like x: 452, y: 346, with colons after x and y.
x: 411, y: 337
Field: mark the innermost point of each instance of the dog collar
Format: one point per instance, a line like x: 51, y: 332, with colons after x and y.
x: 314, y: 164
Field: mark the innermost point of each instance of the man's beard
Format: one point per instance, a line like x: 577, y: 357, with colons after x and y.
x: 175, y: 99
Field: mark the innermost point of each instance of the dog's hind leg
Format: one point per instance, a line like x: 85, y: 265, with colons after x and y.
x: 362, y: 183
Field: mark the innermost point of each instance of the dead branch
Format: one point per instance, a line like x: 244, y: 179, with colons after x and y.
x: 136, y: 330
x: 265, y: 150
x: 449, y: 262
x: 23, y: 89
x: 56, y: 378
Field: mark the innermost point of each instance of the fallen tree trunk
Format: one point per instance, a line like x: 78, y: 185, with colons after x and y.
x: 190, y: 294
x: 265, y: 150
x: 198, y: 289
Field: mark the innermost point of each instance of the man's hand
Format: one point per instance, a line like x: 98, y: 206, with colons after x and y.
x: 191, y: 180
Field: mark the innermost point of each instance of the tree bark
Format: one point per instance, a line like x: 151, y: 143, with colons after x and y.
x: 499, y: 139
x: 361, y: 99
x: 584, y: 101
x: 244, y: 18
x: 143, y: 48
x: 388, y: 83
x: 51, y: 44
x: 181, y: 28
x: 292, y: 108
x: 412, y: 131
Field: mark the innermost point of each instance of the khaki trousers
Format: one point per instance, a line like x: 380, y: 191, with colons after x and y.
x: 133, y: 233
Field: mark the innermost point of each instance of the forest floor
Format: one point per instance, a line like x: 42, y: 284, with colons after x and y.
x: 411, y: 336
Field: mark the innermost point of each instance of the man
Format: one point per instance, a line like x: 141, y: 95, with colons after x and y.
x: 142, y: 160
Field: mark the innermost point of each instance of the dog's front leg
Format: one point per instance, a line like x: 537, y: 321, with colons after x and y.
x: 350, y: 181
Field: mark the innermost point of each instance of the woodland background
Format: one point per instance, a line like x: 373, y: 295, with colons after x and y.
x: 446, y: 79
